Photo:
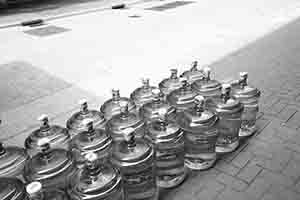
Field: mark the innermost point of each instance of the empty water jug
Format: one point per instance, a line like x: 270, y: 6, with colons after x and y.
x: 153, y: 110
x: 57, y: 136
x: 120, y: 122
x: 230, y: 111
x: 12, y: 161
x: 36, y: 192
x: 207, y: 87
x: 136, y: 160
x: 143, y: 94
x: 51, y: 167
x: 12, y: 189
x: 112, y: 106
x: 200, y: 133
x: 75, y: 123
x: 249, y: 96
x: 168, y: 141
x: 92, y: 140
x: 169, y: 84
x: 193, y: 74
x: 182, y: 98
x: 96, y: 181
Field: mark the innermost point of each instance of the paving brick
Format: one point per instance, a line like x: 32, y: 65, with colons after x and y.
x: 276, y: 108
x: 287, y: 113
x: 249, y: 172
x: 276, y: 179
x: 229, y: 194
x: 276, y: 163
x: 227, y: 168
x: 278, y: 193
x: 261, y: 124
x: 258, y: 187
x: 293, y: 122
x: 210, y: 191
x: 194, y: 184
x: 242, y: 159
x: 292, y: 169
x: 232, y: 182
x: 297, y: 187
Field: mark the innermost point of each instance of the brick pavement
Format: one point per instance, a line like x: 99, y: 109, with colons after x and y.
x: 266, y: 166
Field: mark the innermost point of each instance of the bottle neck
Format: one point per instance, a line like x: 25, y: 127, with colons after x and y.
x: 225, y: 97
x: 46, y: 153
x: 2, y: 149
x: 116, y: 95
x: 84, y: 109
x: 38, y: 196
x: 162, y: 125
x: 207, y: 78
x: 243, y: 83
x: 94, y: 171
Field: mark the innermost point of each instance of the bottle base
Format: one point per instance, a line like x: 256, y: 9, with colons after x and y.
x: 227, y: 148
x: 201, y: 165
x: 247, y: 131
x: 173, y: 182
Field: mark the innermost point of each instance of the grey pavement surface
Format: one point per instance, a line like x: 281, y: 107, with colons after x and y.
x: 266, y: 166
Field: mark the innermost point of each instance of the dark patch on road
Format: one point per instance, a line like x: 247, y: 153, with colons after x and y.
x: 46, y: 31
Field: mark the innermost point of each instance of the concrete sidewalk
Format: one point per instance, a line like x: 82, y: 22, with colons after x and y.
x: 49, y: 74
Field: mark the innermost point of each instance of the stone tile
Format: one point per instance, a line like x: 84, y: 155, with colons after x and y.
x: 297, y: 187
x: 210, y: 191
x: 258, y: 187
x: 242, y: 159
x: 227, y: 168
x: 232, y: 182
x: 293, y: 122
x: 287, y: 113
x: 276, y: 163
x: 195, y: 183
x: 276, y: 179
x: 276, y: 108
x: 229, y: 194
x: 292, y: 169
x: 279, y: 192
x: 249, y: 172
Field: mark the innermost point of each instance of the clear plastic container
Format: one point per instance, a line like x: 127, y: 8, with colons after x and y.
x: 249, y: 96
x: 200, y: 127
x: 136, y: 160
x: 230, y: 112
x: 96, y: 181
x: 168, y: 141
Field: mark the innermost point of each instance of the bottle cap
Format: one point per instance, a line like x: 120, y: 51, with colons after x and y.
x: 156, y: 91
x: 43, y: 118
x: 33, y: 188
x: 243, y: 74
x: 91, y: 157
x: 82, y: 102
